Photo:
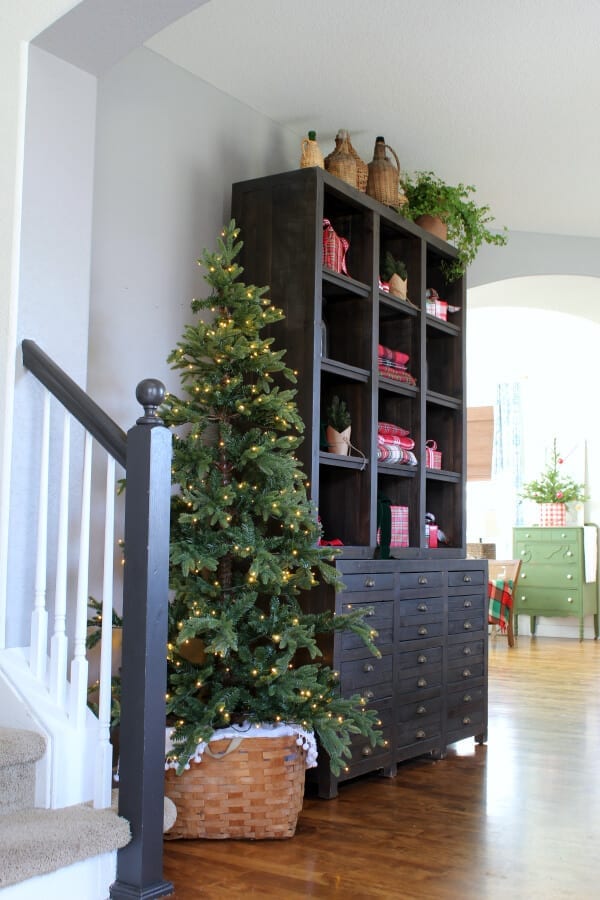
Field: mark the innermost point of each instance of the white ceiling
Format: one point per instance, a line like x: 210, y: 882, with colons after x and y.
x: 501, y: 94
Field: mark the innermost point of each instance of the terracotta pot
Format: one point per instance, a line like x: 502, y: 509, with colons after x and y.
x: 434, y: 225
x: 338, y: 442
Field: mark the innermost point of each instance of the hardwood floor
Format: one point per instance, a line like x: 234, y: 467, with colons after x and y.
x: 516, y: 818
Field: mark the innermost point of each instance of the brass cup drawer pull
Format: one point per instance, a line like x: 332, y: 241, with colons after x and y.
x: 370, y: 612
x: 421, y: 710
x: 467, y: 698
x: 468, y: 626
x: 466, y: 720
x: 367, y: 751
x: 421, y: 658
x: 369, y: 582
x: 467, y: 604
x: 368, y: 695
x: 422, y: 683
x: 368, y: 667
x: 422, y: 607
x: 467, y: 651
x: 422, y: 631
x: 420, y: 734
x: 466, y: 673
x: 467, y: 579
x: 423, y: 579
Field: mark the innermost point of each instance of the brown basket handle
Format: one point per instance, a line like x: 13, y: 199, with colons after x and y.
x: 387, y: 146
x: 235, y: 743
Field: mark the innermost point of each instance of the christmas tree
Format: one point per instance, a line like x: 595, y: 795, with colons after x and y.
x: 244, y: 537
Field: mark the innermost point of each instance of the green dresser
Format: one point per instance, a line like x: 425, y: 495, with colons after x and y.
x: 558, y: 574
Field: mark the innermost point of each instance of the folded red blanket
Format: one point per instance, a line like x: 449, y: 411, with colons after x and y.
x: 390, y: 428
x: 396, y: 440
x: 396, y: 374
x: 395, y: 356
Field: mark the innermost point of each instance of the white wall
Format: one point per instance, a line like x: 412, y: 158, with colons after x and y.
x: 169, y: 147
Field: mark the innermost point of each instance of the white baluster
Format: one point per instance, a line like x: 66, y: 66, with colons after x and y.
x: 58, y: 642
x: 38, y: 650
x: 79, y: 664
x: 103, y: 784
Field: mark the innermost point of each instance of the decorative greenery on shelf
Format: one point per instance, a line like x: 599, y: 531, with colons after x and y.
x: 244, y: 536
x: 338, y: 414
x: 467, y: 222
x: 553, y: 486
x: 392, y: 266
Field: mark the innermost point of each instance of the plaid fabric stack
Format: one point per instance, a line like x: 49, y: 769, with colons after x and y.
x: 394, y: 445
x: 392, y: 364
x: 500, y: 601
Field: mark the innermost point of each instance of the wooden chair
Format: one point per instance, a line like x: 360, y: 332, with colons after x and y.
x: 507, y: 570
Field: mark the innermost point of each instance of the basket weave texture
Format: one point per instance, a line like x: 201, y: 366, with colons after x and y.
x: 254, y: 791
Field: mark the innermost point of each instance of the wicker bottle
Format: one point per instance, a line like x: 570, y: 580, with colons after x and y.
x: 341, y: 162
x: 362, y: 170
x: 384, y: 177
x: 311, y: 152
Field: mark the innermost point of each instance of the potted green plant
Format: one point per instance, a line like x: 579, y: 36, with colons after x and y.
x: 394, y: 272
x: 553, y: 490
x: 243, y: 653
x: 451, y: 213
x: 338, y: 426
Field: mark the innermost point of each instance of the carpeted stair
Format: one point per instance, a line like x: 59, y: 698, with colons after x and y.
x: 39, y: 841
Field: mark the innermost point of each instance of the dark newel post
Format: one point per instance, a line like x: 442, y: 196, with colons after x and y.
x: 144, y: 666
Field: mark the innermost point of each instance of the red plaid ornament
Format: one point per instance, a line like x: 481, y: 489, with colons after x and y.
x: 334, y: 249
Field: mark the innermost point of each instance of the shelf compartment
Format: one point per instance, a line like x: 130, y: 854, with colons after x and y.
x: 444, y: 499
x: 343, y: 370
x: 336, y: 284
x: 344, y: 503
x: 397, y: 387
x: 347, y: 462
x: 346, y: 327
x: 392, y: 307
x: 445, y: 425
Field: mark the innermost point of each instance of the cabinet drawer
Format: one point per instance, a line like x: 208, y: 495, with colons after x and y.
x: 416, y: 732
x: 559, y: 601
x: 470, y: 621
x: 408, y: 580
x: 468, y: 603
x: 412, y: 659
x: 466, y: 651
x: 565, y: 575
x: 381, y: 619
x: 470, y: 721
x: 465, y: 700
x: 414, y: 681
x: 363, y: 752
x: 420, y: 607
x: 466, y: 577
x: 547, y: 535
x: 361, y: 673
x: 465, y: 672
x: 420, y: 710
x: 414, y: 631
x: 370, y: 582
x: 549, y: 554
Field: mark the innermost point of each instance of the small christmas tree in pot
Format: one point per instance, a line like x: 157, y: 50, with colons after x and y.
x: 243, y: 659
x: 553, y: 490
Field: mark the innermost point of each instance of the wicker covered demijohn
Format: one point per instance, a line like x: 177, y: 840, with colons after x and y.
x: 311, y: 152
x: 384, y: 177
x: 242, y: 785
x: 362, y: 170
x: 341, y: 162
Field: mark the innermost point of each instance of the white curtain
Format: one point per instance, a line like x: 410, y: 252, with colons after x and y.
x: 507, y: 459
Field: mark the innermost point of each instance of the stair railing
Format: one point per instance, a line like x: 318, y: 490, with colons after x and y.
x: 145, y: 455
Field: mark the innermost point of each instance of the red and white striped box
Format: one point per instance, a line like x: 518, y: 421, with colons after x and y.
x: 437, y: 308
x: 433, y: 456
x: 399, y: 527
x: 431, y: 532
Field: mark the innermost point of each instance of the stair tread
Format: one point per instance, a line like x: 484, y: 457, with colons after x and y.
x: 18, y: 746
x: 38, y: 841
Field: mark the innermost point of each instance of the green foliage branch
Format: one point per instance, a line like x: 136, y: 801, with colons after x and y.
x: 467, y: 223
x: 244, y: 546
x: 553, y: 486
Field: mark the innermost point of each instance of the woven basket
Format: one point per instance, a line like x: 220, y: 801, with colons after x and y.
x: 384, y: 178
x: 243, y: 788
x: 341, y: 162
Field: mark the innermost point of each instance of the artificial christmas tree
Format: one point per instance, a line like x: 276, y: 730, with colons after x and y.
x: 244, y: 537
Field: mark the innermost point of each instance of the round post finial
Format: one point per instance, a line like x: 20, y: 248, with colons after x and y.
x: 150, y: 393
